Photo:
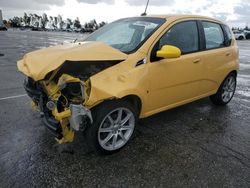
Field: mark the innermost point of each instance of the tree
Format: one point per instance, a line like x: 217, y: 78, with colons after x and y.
x: 44, y: 20
x: 101, y: 24
x: 69, y: 23
x: 36, y: 21
x: 25, y: 19
x: 77, y: 23
x: 15, y: 22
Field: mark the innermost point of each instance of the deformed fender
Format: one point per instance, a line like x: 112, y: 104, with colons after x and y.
x: 98, y: 95
x: 116, y: 84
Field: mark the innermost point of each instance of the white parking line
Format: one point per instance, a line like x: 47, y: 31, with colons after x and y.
x: 13, y: 97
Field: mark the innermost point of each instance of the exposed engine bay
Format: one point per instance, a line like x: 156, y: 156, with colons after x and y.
x: 81, y: 69
x: 61, y: 97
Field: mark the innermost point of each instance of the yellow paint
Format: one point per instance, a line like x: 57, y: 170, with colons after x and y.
x: 53, y: 90
x: 34, y: 106
x: 67, y: 132
x: 87, y: 90
x: 161, y: 85
x: 38, y: 63
x: 168, y: 51
x: 65, y: 78
x: 59, y: 116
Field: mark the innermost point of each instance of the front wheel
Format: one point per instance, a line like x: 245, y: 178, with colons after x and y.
x: 113, y: 126
x: 226, y: 90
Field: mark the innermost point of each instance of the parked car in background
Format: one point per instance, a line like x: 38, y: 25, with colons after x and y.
x: 247, y: 34
x: 130, y: 69
x: 3, y: 27
x: 239, y: 35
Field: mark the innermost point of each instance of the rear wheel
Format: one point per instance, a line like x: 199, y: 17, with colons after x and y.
x: 226, y: 91
x: 241, y: 37
x: 113, y: 126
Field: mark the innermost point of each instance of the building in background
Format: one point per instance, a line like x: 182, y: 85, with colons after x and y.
x: 2, y: 26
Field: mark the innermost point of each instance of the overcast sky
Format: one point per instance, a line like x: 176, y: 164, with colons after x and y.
x: 234, y: 12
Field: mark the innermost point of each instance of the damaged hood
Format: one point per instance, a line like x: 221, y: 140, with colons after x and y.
x: 39, y: 63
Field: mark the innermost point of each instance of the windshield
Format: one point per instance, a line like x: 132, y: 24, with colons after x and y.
x: 127, y: 34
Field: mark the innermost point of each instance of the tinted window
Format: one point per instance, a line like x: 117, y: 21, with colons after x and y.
x: 183, y: 35
x: 213, y: 35
x: 229, y: 34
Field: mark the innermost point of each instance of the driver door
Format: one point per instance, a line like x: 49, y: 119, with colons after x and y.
x: 174, y: 81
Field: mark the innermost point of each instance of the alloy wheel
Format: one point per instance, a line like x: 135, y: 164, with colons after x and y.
x: 116, y: 129
x: 228, y: 89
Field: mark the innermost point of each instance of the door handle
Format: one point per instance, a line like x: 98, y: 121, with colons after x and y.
x: 228, y: 54
x: 197, y: 60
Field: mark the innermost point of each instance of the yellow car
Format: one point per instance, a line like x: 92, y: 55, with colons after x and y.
x: 130, y: 69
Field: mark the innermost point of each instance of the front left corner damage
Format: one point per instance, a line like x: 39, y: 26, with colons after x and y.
x: 61, y: 88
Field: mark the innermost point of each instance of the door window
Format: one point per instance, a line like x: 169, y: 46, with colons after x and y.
x: 183, y: 35
x: 213, y: 35
x: 228, y: 34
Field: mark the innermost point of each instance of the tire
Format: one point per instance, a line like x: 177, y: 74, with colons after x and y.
x: 241, y: 37
x: 226, y: 91
x: 113, y: 126
x: 248, y: 36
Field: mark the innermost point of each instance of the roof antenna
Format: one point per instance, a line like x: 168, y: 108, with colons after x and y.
x: 145, y: 12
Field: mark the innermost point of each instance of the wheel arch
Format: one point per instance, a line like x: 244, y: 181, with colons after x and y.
x: 224, y: 77
x: 135, y: 101
x: 234, y: 72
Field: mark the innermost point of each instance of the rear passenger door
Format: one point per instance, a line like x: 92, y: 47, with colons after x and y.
x: 215, y: 56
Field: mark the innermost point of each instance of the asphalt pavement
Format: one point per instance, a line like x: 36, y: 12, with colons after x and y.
x: 195, y: 145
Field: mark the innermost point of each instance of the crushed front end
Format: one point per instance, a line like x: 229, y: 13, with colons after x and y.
x: 58, y: 82
x: 61, y: 103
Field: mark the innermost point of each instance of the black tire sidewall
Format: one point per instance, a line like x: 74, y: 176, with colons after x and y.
x: 217, y: 98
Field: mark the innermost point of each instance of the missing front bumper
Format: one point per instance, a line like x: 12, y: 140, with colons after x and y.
x: 80, y: 117
x: 62, y: 123
x: 76, y: 118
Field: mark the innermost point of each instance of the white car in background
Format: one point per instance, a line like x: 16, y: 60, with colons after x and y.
x: 3, y: 27
x: 247, y: 34
x: 239, y: 35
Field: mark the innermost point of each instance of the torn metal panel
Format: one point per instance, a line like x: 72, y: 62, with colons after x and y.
x: 39, y: 63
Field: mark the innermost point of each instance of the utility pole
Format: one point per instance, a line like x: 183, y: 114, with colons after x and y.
x: 145, y: 12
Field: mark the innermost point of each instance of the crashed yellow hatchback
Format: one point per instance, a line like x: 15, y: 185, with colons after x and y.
x: 130, y: 69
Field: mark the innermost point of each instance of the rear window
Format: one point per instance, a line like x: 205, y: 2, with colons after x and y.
x: 228, y: 35
x: 214, y: 35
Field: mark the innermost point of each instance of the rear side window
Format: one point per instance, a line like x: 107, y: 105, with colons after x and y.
x: 183, y: 35
x: 213, y: 35
x: 228, y: 35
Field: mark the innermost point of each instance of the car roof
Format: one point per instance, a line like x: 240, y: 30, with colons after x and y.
x: 183, y: 16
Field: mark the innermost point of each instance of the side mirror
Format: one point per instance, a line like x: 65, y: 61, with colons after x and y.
x: 168, y: 51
